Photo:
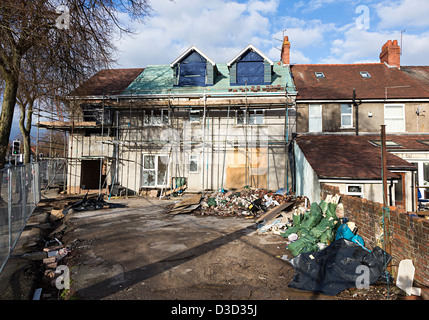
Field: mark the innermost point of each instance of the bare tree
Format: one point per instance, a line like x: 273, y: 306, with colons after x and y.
x: 73, y: 38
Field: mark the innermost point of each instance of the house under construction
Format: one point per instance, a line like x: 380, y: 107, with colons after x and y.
x: 193, y: 124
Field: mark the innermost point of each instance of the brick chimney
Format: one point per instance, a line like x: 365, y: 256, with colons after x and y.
x: 391, y: 53
x: 285, y: 55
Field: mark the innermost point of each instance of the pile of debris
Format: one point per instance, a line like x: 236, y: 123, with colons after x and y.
x: 312, y: 229
x: 53, y: 276
x: 246, y: 202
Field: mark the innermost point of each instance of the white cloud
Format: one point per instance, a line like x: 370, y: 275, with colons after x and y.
x: 219, y: 28
x: 414, y: 49
x: 357, y: 46
x: 403, y: 14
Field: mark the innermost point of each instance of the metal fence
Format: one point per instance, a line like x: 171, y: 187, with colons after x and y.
x: 52, y: 173
x: 19, y: 195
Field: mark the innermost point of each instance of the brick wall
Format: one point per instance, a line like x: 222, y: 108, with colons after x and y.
x: 409, y: 234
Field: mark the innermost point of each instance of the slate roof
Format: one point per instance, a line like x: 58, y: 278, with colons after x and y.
x: 341, y: 79
x: 418, y: 73
x: 348, y: 157
x: 108, y: 82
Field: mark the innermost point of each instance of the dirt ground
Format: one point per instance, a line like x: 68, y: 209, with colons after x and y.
x: 140, y: 252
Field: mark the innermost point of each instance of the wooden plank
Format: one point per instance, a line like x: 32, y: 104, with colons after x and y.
x: 188, y: 201
x: 187, y: 209
x: 168, y: 192
x: 423, y: 213
x: 273, y: 213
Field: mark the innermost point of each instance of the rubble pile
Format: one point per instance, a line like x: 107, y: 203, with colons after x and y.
x: 245, y: 202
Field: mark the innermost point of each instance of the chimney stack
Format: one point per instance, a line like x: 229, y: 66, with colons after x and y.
x: 285, y: 55
x: 391, y: 53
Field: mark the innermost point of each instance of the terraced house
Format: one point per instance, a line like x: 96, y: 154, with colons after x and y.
x: 199, y: 124
x: 340, y: 110
x: 193, y: 122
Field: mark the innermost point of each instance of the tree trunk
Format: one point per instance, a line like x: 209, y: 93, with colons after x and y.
x: 8, y: 108
x: 25, y: 127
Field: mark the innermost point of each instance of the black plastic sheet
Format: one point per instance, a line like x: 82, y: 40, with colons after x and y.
x: 89, y: 204
x: 338, y: 267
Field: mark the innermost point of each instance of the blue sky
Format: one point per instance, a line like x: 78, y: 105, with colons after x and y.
x: 320, y: 31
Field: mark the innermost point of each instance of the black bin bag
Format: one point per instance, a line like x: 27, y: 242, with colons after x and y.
x: 338, y: 267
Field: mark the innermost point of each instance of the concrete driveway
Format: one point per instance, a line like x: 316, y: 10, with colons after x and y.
x: 142, y: 252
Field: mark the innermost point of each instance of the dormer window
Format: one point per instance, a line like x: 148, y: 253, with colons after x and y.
x: 250, y: 67
x: 193, y: 69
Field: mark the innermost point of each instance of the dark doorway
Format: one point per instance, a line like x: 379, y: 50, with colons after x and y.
x: 90, y: 174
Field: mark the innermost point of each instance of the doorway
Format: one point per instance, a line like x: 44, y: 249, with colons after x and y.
x: 400, y: 190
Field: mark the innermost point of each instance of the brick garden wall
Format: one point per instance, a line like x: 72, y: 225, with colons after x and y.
x: 409, y: 234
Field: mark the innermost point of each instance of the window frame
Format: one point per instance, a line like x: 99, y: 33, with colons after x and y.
x: 321, y: 117
x: 353, y: 193
x: 343, y: 126
x: 247, y: 115
x: 365, y: 74
x: 196, y: 160
x: 151, y: 118
x: 387, y: 105
x: 155, y: 170
x: 319, y: 75
x: 194, y: 111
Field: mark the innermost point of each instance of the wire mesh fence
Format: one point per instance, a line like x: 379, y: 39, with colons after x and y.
x: 19, y: 195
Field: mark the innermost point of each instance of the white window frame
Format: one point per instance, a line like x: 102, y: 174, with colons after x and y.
x: 386, y: 117
x: 194, y: 112
x: 246, y: 119
x: 350, y: 193
x: 254, y: 112
x: 157, y: 185
x: 151, y: 119
x: 365, y: 74
x: 320, y: 116
x: 343, y: 126
x: 193, y: 158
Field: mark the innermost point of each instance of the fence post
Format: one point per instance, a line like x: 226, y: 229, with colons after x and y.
x: 9, y: 206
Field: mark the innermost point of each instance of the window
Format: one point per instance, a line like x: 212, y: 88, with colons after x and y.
x: 389, y: 143
x: 315, y: 118
x: 346, y: 116
x: 193, y: 163
x: 365, y: 74
x: 254, y: 117
x: 354, y: 190
x: 240, y: 117
x: 394, y: 118
x: 156, y: 117
x: 319, y: 74
x: 194, y: 116
x: 154, y: 170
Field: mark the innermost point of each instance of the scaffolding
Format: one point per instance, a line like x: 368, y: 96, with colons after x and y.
x: 117, y: 129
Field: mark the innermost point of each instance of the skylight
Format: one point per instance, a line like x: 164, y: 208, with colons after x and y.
x: 319, y: 74
x: 389, y: 143
x: 365, y: 74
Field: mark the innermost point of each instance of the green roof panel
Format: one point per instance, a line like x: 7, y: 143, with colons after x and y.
x: 159, y: 80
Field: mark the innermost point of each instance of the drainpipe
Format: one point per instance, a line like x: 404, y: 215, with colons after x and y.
x: 356, y: 105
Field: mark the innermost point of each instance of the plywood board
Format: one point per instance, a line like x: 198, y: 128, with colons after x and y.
x: 188, y: 201
x: 273, y: 213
